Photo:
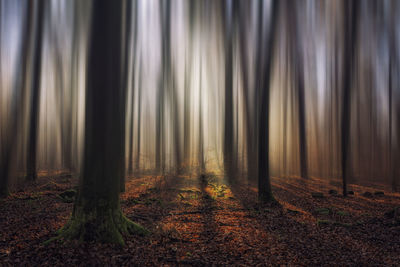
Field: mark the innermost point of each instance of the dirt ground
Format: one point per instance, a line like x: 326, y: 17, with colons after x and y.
x: 200, y: 221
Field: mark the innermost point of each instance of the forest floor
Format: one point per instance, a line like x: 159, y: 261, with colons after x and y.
x: 202, y: 221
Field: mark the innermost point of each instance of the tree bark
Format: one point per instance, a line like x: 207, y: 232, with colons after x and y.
x: 34, y: 112
x: 97, y: 214
x: 264, y: 183
x: 12, y: 131
x: 298, y: 64
x: 350, y: 37
x: 228, y: 112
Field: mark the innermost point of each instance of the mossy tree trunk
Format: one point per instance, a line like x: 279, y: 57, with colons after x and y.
x: 97, y: 214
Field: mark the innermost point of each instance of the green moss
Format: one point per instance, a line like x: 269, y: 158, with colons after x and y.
x: 133, y: 201
x: 187, y: 203
x: 323, y: 211
x: 68, y: 196
x: 342, y: 213
x: 324, y: 222
x: 102, y: 224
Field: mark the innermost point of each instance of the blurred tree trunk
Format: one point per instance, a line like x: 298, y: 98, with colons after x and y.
x: 187, y: 90
x: 228, y: 119
x: 250, y: 141
x: 35, y: 101
x: 169, y: 83
x: 137, y: 163
x: 160, y: 144
x: 391, y: 69
x: 64, y: 103
x: 163, y: 86
x: 72, y: 123
x: 11, y: 132
x: 298, y: 66
x: 263, y: 80
x: 350, y: 29
x: 125, y: 73
x: 201, y: 138
x: 97, y: 214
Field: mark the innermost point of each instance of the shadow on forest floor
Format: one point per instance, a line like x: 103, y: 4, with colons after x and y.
x: 201, y: 221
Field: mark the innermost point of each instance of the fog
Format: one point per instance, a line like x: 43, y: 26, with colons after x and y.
x: 191, y: 74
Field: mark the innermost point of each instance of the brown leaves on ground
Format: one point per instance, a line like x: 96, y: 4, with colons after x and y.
x: 201, y: 222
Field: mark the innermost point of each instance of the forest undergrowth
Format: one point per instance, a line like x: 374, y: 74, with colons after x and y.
x: 201, y: 221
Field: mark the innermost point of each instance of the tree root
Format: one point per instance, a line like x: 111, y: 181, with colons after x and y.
x: 109, y: 227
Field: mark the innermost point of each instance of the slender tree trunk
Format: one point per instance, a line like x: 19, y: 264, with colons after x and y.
x: 250, y: 159
x: 125, y: 74
x: 228, y: 120
x: 130, y: 149
x: 34, y: 112
x: 60, y: 92
x: 72, y: 122
x: 12, y: 131
x: 349, y: 57
x: 201, y: 138
x: 296, y: 55
x: 137, y: 163
x: 187, y: 92
x: 264, y: 183
x: 160, y: 127
x: 170, y: 84
x: 391, y: 69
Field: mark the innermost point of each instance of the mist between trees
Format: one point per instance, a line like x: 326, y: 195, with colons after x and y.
x: 244, y: 89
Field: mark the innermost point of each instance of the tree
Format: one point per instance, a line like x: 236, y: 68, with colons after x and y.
x: 350, y: 11
x: 228, y: 112
x: 248, y: 107
x: 391, y: 70
x: 263, y: 79
x: 202, y: 164
x: 298, y: 64
x: 137, y: 163
x: 97, y: 214
x: 170, y: 83
x: 125, y: 75
x: 187, y: 91
x: 34, y: 110
x: 9, y: 138
x: 130, y: 150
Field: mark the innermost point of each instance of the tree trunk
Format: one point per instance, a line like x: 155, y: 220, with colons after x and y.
x: 228, y: 120
x: 250, y: 142
x: 137, y: 163
x: 125, y: 74
x: 9, y: 139
x: 34, y: 112
x: 350, y: 37
x: 97, y: 214
x: 296, y: 54
x: 391, y: 69
x: 187, y: 92
x: 264, y: 183
x: 201, y: 138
